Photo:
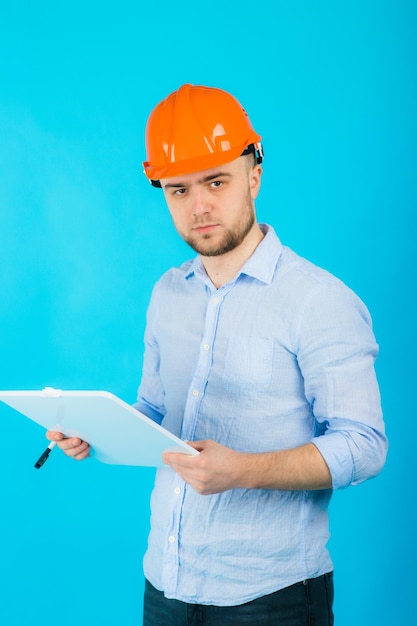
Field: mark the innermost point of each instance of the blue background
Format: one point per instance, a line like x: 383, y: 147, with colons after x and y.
x: 83, y: 237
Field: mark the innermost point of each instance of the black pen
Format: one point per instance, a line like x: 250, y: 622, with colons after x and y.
x: 45, y: 455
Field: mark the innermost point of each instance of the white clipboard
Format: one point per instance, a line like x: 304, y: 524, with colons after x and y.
x: 117, y: 433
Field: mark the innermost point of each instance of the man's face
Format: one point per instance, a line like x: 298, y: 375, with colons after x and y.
x: 213, y: 210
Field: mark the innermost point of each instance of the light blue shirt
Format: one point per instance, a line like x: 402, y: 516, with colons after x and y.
x: 280, y: 356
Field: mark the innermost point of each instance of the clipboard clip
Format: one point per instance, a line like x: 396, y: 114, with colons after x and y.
x: 50, y: 392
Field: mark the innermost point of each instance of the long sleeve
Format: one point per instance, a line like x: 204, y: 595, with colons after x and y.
x: 150, y: 400
x: 337, y: 351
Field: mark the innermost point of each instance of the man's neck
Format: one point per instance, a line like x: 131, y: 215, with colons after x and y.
x: 223, y: 268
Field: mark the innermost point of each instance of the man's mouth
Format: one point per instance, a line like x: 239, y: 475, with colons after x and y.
x: 205, y: 229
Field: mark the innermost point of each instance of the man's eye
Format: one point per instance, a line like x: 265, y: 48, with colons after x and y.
x: 216, y: 183
x: 180, y: 192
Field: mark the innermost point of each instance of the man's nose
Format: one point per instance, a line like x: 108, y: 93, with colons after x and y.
x: 200, y: 203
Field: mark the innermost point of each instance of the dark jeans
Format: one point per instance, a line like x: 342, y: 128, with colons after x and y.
x: 308, y: 603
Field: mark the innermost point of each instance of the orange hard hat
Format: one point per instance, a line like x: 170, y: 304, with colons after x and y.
x: 197, y: 128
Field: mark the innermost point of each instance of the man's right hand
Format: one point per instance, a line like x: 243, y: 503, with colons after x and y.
x: 73, y: 447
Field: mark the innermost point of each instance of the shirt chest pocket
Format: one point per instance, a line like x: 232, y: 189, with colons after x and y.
x: 248, y: 364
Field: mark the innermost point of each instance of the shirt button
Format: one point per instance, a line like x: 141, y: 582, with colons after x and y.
x: 206, y: 347
x: 216, y: 300
x: 196, y: 393
x: 177, y: 491
x: 171, y: 539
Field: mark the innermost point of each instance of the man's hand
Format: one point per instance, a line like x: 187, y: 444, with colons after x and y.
x: 72, y: 446
x: 214, y: 470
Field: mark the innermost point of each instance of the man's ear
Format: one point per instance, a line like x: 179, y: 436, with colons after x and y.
x: 255, y: 175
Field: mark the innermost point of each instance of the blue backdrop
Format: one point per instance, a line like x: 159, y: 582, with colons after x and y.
x: 83, y: 237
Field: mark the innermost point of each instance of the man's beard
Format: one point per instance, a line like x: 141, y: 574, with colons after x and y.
x: 230, y: 240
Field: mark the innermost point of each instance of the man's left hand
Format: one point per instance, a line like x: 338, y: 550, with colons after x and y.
x: 214, y: 470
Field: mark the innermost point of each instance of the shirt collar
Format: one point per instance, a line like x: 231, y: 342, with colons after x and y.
x: 261, y: 265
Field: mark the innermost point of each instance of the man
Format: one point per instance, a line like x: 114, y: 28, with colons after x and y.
x: 265, y: 363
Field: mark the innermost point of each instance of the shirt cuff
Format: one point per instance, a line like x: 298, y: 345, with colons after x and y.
x: 336, y: 452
